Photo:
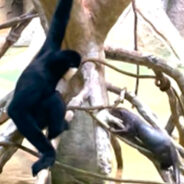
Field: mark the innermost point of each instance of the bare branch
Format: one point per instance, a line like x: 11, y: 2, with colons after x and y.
x: 11, y: 134
x: 176, y: 105
x: 42, y: 16
x: 135, y: 25
x: 100, y: 107
x: 13, y: 22
x: 19, y: 146
x: 3, y: 107
x: 119, y: 100
x: 135, y: 42
x: 170, y: 68
x: 13, y: 36
x: 142, y: 109
x: 100, y: 61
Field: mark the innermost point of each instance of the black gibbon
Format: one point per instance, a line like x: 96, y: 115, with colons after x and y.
x: 36, y: 104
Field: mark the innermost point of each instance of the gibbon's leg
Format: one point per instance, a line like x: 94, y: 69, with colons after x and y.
x: 29, y: 128
x: 56, y: 110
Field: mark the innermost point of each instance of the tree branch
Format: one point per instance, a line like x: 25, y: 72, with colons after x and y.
x: 13, y: 36
x: 11, y: 134
x: 42, y: 16
x: 24, y: 148
x: 136, y: 42
x: 3, y: 107
x: 170, y: 68
x: 100, y: 61
x: 13, y: 22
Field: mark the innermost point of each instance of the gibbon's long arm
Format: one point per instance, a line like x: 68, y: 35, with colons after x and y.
x: 58, y: 25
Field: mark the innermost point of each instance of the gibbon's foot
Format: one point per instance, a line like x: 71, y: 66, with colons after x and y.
x: 46, y: 160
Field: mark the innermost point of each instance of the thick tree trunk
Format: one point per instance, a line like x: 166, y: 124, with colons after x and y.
x: 87, y: 145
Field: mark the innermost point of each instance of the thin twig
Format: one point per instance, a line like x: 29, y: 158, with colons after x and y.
x: 100, y: 61
x: 142, y: 109
x: 136, y: 43
x: 135, y: 25
x: 179, y: 100
x: 100, y: 107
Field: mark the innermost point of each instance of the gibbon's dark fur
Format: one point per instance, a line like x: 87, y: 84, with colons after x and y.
x: 36, y: 104
x: 153, y: 140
